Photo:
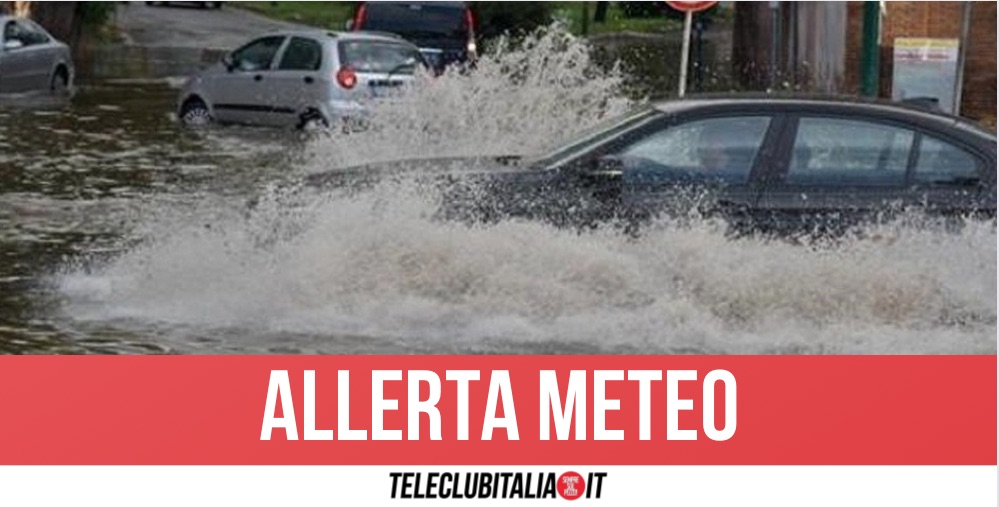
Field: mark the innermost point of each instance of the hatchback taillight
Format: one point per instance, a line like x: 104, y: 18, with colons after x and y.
x: 346, y: 78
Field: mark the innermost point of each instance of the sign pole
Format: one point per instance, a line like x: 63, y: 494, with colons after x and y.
x: 685, y: 56
x: 688, y: 9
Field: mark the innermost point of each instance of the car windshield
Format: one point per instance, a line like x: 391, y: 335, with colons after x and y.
x: 416, y: 20
x: 584, y: 141
x: 380, y: 57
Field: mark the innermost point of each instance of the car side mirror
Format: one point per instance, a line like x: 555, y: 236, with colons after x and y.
x: 607, y: 166
x: 12, y: 44
x: 230, y: 65
x: 601, y: 170
x: 349, y: 25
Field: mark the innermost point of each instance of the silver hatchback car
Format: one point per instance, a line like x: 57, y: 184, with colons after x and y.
x: 31, y: 59
x: 299, y: 78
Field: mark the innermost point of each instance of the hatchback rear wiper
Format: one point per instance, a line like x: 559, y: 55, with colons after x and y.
x: 400, y: 67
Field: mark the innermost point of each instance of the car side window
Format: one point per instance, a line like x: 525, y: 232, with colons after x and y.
x: 258, y: 54
x: 832, y: 151
x: 723, y: 148
x: 26, y: 33
x: 12, y: 32
x: 302, y: 54
x: 942, y: 163
x: 32, y: 34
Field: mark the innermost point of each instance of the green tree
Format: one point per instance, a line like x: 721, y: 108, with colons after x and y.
x: 642, y: 9
x: 68, y: 21
x: 601, y: 14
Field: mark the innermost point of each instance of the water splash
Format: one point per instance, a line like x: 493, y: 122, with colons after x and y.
x: 520, y: 99
x: 302, y: 271
x: 376, y: 265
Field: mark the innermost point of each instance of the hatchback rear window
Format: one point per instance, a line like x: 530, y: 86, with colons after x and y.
x: 380, y: 57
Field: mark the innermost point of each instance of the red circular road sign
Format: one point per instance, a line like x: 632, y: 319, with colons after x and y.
x: 691, y: 6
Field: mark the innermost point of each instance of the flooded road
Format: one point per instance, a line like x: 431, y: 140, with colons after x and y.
x: 77, y: 175
x: 122, y: 233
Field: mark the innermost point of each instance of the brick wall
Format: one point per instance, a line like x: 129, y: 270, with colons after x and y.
x: 979, y: 99
x: 937, y: 20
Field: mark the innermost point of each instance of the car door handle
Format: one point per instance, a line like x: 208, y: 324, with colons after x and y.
x: 599, y: 177
x: 732, y: 206
x: 309, y: 80
x: 258, y: 77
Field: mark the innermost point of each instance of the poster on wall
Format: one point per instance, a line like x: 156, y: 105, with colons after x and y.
x: 926, y: 69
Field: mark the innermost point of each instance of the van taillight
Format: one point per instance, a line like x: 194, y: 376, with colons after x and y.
x: 359, y: 16
x: 470, y: 19
x: 471, y: 47
x: 346, y: 78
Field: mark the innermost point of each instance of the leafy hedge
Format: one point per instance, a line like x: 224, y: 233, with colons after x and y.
x: 658, y: 9
x: 497, y: 18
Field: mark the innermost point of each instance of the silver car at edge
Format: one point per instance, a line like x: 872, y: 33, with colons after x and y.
x: 299, y: 79
x: 31, y: 59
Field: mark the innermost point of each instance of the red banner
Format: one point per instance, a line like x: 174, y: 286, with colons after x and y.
x: 649, y: 410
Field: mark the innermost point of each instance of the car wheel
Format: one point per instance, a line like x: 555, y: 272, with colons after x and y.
x: 312, y: 120
x: 195, y: 113
x: 60, y: 82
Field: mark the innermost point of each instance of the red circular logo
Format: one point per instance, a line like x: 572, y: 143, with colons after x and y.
x: 571, y: 485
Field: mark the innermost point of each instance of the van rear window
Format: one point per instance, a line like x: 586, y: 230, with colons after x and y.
x: 416, y: 20
x: 380, y: 57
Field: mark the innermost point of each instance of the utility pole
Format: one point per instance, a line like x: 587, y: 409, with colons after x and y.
x: 774, y: 44
x: 870, y: 50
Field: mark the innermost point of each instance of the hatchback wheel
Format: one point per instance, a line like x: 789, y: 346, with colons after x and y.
x: 312, y: 120
x: 195, y: 113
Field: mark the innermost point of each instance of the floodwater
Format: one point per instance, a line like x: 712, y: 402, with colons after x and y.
x: 78, y: 177
x: 122, y: 233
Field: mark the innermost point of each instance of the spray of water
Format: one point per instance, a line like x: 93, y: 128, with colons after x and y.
x: 377, y: 265
x: 520, y: 99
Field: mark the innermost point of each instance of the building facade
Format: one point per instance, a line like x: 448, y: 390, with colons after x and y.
x: 817, y: 46
x: 938, y: 20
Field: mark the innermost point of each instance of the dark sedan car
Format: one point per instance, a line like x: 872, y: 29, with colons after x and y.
x: 767, y: 164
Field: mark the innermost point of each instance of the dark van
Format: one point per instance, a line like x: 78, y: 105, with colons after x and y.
x: 444, y: 31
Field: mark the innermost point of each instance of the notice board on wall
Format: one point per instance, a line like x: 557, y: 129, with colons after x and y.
x: 926, y: 69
